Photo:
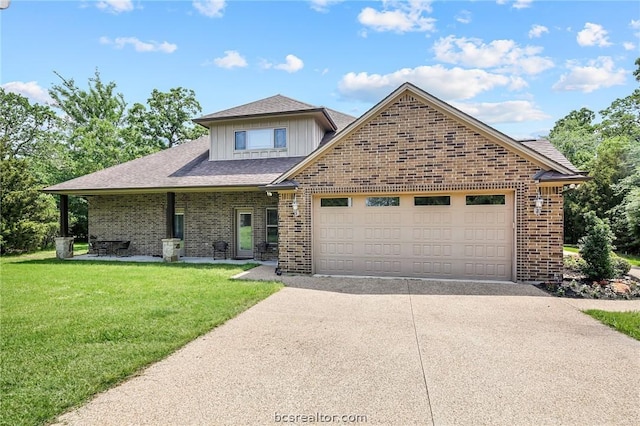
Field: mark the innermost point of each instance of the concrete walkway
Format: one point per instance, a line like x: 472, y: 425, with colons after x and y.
x: 393, y: 352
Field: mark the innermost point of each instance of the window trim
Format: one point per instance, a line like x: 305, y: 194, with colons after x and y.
x: 349, y: 202
x: 272, y: 136
x: 488, y: 196
x: 267, y: 226
x: 448, y: 203
x: 366, y: 200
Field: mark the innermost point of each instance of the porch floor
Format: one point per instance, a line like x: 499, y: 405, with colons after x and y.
x: 182, y: 259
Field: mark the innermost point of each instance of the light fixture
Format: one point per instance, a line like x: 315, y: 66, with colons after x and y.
x: 539, y: 202
x: 294, y: 206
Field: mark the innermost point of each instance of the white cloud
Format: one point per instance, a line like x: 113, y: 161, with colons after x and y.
x: 502, y: 55
x: 30, y: 89
x: 464, y: 17
x: 635, y: 24
x: 445, y: 83
x: 231, y: 59
x: 597, y: 74
x: 140, y: 46
x: 593, y: 35
x: 292, y: 64
x: 628, y: 45
x: 536, y: 31
x: 210, y: 8
x: 399, y: 16
x: 503, y: 112
x: 115, y: 6
x: 517, y: 4
x: 522, y: 4
x: 323, y: 5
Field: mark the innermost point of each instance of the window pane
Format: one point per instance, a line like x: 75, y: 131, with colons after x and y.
x: 272, y: 234
x: 178, y: 226
x: 383, y: 201
x: 335, y: 202
x: 241, y: 140
x: 260, y: 139
x: 476, y: 200
x: 437, y: 200
x: 272, y: 217
x: 280, y: 138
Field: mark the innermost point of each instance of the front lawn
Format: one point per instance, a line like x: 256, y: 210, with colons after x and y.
x: 625, y: 322
x: 73, y: 329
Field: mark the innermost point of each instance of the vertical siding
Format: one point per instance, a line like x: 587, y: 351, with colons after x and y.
x: 303, y: 136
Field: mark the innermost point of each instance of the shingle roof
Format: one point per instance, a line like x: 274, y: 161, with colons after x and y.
x: 184, y: 166
x: 545, y: 148
x: 277, y: 104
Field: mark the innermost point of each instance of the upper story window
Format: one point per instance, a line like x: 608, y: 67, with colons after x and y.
x: 260, y: 139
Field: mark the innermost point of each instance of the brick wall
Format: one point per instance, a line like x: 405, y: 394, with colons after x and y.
x: 208, y: 217
x: 412, y: 147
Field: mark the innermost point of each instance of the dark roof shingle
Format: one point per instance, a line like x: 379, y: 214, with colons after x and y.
x: 184, y: 166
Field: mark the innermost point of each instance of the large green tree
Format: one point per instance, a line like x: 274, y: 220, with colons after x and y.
x: 27, y: 133
x: 167, y: 121
x: 610, y: 151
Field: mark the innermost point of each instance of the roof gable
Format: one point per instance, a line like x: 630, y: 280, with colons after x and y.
x: 528, y: 152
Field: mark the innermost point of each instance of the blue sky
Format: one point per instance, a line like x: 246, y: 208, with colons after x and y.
x: 517, y: 65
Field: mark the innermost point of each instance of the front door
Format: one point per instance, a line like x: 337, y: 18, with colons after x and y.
x: 244, y: 234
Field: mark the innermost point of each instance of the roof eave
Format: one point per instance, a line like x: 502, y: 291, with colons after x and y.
x: 318, y: 112
x: 151, y: 190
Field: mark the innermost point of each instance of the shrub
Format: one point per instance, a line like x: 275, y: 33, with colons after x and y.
x: 621, y: 267
x: 574, y: 263
x: 596, y: 247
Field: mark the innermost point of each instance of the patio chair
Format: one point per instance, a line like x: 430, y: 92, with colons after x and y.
x: 220, y: 247
x: 102, y: 248
x: 261, y: 250
x: 93, y: 247
x: 123, y: 247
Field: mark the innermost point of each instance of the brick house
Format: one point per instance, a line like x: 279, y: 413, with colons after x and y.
x: 412, y: 188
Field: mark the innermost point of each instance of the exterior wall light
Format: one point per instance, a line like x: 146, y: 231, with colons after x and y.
x: 539, y: 202
x: 294, y: 206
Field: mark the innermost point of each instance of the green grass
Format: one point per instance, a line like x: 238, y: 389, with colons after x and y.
x: 73, y: 329
x: 634, y: 260
x: 625, y: 322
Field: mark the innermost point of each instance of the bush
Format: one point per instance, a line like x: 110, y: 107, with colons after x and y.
x: 574, y: 263
x: 621, y: 267
x: 596, y: 248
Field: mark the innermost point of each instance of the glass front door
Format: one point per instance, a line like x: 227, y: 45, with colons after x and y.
x: 244, y: 233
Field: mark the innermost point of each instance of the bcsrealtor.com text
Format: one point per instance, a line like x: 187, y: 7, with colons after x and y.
x: 319, y: 418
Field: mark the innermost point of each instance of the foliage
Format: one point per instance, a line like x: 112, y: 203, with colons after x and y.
x: 610, y: 152
x: 596, y: 247
x: 574, y: 263
x: 29, y: 218
x: 625, y: 322
x: 621, y: 266
x: 167, y: 121
x: 68, y: 333
x: 24, y: 127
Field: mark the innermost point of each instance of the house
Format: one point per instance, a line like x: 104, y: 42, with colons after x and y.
x: 412, y: 188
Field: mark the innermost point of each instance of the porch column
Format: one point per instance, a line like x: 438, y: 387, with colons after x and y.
x: 170, y: 212
x: 170, y: 244
x: 64, y: 243
x: 64, y: 215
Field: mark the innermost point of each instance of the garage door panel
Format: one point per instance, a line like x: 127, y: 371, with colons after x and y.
x: 439, y: 241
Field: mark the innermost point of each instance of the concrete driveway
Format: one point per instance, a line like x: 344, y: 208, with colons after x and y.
x: 393, y: 352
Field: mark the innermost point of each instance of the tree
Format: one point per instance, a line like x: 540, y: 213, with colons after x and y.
x: 575, y: 136
x: 636, y: 73
x: 596, y: 247
x: 24, y: 127
x: 167, y: 122
x: 28, y: 220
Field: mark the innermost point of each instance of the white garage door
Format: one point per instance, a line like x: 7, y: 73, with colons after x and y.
x: 458, y: 235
